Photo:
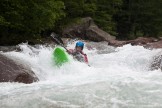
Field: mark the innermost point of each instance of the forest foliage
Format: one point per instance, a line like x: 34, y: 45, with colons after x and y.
x: 126, y: 19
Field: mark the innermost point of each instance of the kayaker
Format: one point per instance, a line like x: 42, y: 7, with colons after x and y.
x: 78, y: 53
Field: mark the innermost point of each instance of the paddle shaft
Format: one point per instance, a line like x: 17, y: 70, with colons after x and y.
x: 57, y: 41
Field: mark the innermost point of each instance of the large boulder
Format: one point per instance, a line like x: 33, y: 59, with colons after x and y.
x: 86, y: 29
x: 11, y: 71
x: 96, y: 34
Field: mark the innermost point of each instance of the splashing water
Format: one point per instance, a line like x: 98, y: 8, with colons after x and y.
x: 118, y: 78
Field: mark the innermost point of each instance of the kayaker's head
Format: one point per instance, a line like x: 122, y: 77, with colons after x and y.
x: 79, y: 46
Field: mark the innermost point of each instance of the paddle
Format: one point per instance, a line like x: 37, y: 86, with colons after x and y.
x: 57, y: 40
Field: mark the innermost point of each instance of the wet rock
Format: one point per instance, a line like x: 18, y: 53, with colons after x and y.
x: 156, y: 62
x: 10, y: 71
x: 117, y: 43
x: 139, y: 41
x: 25, y: 78
x: 9, y: 48
x: 142, y: 41
x: 154, y: 44
x: 96, y: 34
x: 86, y: 29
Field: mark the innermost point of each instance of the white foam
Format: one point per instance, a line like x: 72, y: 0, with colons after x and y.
x: 118, y: 79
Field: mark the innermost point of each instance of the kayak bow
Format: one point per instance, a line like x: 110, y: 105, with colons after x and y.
x: 60, y: 56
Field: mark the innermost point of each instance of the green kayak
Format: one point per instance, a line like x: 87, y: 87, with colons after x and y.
x: 60, y: 56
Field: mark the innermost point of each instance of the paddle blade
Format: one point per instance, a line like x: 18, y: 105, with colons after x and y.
x: 56, y: 39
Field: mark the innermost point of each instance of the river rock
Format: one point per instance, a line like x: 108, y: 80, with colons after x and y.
x: 96, y: 34
x: 11, y: 71
x: 156, y: 45
x: 156, y: 62
x: 117, y: 43
x: 143, y: 41
x: 86, y: 29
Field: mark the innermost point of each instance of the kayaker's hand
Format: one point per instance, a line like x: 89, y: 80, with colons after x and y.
x: 69, y: 52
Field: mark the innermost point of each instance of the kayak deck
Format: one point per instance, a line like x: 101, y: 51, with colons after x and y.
x: 60, y: 56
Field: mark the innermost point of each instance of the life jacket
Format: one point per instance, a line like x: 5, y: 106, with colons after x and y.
x: 80, y: 56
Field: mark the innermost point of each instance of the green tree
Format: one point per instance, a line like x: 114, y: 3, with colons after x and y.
x: 104, y: 14
x: 101, y: 11
x: 139, y: 18
x: 25, y: 18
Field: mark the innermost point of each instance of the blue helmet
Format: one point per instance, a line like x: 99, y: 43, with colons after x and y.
x: 80, y: 44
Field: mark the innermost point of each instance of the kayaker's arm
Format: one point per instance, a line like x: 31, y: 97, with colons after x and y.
x: 69, y: 51
x: 86, y: 58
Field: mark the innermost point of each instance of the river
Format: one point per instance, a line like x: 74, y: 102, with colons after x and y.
x: 117, y: 78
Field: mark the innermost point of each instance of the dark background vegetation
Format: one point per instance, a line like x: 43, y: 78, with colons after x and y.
x: 22, y: 20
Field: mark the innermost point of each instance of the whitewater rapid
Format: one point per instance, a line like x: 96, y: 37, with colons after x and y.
x: 117, y: 78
